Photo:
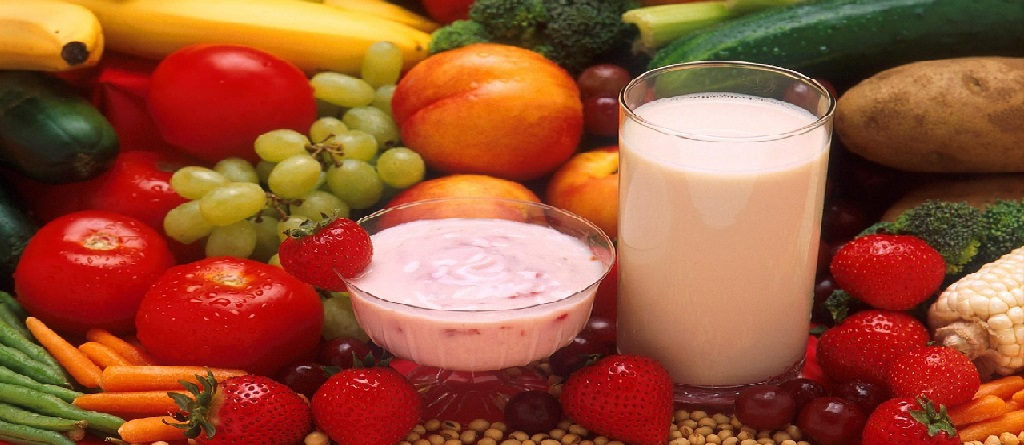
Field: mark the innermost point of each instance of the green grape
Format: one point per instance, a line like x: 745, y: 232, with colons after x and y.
x: 382, y: 98
x: 274, y: 260
x: 232, y: 202
x: 263, y: 169
x: 277, y: 145
x: 192, y: 182
x: 341, y: 89
x: 325, y: 127
x: 237, y: 170
x: 267, y: 241
x: 356, y: 183
x: 400, y: 167
x: 295, y: 176
x: 291, y: 222
x: 235, y: 240
x: 324, y: 108
x: 339, y: 319
x: 185, y: 223
x: 356, y: 144
x: 318, y: 203
x: 382, y: 64
x: 374, y: 121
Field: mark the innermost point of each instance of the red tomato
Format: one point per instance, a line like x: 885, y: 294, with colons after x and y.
x: 232, y: 313
x: 212, y: 101
x: 447, y: 11
x: 90, y: 269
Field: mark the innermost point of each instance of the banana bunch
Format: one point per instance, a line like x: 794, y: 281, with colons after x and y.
x: 311, y: 34
x: 48, y: 35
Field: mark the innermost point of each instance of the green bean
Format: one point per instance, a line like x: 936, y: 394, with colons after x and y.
x: 43, y: 403
x: 9, y: 376
x: 19, y: 441
x: 9, y: 336
x: 8, y: 300
x: 21, y: 416
x: 8, y: 316
x: 23, y: 364
x: 29, y: 435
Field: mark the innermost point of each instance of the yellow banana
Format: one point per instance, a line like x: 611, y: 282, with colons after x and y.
x: 313, y: 36
x: 386, y: 10
x: 48, y: 35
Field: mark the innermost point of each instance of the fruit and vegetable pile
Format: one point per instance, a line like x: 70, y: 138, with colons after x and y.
x: 179, y: 181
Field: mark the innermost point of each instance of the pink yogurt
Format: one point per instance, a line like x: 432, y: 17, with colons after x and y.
x: 475, y: 294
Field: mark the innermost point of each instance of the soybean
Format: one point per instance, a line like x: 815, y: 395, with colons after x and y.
x: 9, y: 376
x: 21, y: 434
x: 51, y: 405
x: 23, y: 364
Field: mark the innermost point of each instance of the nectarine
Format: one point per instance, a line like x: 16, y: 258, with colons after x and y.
x: 490, y: 109
x: 468, y: 185
x: 588, y: 185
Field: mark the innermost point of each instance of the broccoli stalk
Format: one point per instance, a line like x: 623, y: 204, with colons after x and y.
x: 660, y: 24
x: 572, y: 33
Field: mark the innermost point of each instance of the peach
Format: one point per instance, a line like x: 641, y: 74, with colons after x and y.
x: 469, y: 185
x: 588, y: 185
x: 490, y: 109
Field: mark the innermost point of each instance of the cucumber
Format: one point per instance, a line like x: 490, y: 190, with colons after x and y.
x: 845, y: 41
x: 49, y: 133
x: 16, y: 228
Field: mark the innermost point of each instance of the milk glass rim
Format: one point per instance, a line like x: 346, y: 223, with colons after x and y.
x: 820, y: 121
x: 602, y: 237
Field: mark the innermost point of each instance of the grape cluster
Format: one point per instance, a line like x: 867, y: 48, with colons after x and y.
x: 349, y: 161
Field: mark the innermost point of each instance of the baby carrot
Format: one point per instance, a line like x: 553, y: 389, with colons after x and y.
x: 1011, y: 421
x: 1004, y: 387
x: 135, y: 403
x: 131, y: 352
x: 120, y: 378
x: 101, y: 354
x: 151, y: 429
x: 977, y: 409
x: 83, y: 370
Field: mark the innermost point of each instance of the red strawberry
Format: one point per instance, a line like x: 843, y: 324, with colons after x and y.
x: 367, y: 406
x: 894, y: 272
x: 321, y: 253
x: 625, y: 397
x: 862, y: 345
x: 248, y: 409
x: 940, y: 373
x: 907, y: 421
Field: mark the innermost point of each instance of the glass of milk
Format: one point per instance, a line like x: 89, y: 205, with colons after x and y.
x: 722, y: 177
x: 472, y: 291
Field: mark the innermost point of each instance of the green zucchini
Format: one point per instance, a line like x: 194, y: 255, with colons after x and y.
x: 16, y: 228
x: 50, y: 133
x: 844, y: 41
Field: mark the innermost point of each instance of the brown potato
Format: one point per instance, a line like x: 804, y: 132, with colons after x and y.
x: 978, y: 190
x: 955, y: 115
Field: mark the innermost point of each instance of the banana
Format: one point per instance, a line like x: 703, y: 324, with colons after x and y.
x: 48, y: 35
x: 386, y: 10
x: 313, y: 36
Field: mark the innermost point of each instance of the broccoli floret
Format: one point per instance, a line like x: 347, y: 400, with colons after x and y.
x: 456, y: 35
x: 1003, y: 223
x: 572, y: 33
x: 517, y: 21
x: 954, y: 229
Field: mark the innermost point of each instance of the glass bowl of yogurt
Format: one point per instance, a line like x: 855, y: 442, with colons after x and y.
x: 478, y: 284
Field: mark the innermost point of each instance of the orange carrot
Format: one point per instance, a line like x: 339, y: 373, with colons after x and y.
x: 83, y: 370
x: 150, y: 429
x: 977, y: 409
x: 1004, y: 387
x: 101, y: 355
x: 119, y: 378
x: 131, y: 352
x: 1012, y: 421
x: 130, y: 404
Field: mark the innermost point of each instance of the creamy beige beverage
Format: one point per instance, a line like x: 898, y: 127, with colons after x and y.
x: 475, y: 293
x: 718, y: 238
